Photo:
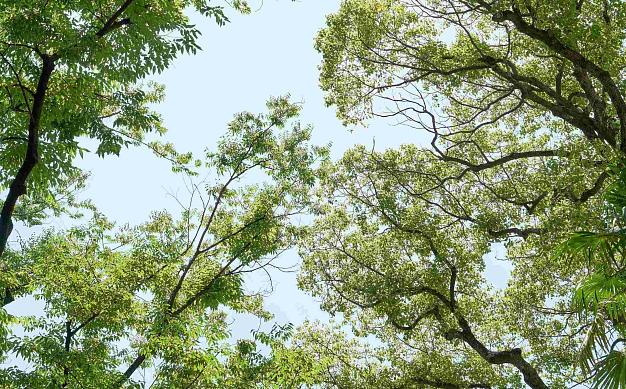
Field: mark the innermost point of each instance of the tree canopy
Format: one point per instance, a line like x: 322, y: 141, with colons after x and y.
x: 77, y: 69
x: 521, y: 104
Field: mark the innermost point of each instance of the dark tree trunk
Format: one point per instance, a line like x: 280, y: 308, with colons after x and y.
x: 18, y: 186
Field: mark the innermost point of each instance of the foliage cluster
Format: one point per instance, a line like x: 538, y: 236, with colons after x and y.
x: 523, y: 102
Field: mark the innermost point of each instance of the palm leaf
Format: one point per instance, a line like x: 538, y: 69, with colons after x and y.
x: 611, y: 371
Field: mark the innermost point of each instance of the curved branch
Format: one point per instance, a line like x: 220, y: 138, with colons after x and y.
x: 575, y: 57
x: 500, y: 161
x: 511, y: 357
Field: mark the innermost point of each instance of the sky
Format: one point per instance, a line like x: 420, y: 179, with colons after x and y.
x: 267, y: 53
x: 242, y: 64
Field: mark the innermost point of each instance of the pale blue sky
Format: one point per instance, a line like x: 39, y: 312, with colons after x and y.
x: 268, y: 53
x: 256, y: 56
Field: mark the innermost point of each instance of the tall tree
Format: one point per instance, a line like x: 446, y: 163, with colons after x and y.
x: 524, y: 103
x: 72, y: 70
x: 119, y: 299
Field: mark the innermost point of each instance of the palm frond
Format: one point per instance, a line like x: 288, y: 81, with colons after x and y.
x: 611, y: 371
x: 596, y: 342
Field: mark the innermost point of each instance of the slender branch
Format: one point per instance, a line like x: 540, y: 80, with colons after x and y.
x: 416, y: 321
x: 222, y: 272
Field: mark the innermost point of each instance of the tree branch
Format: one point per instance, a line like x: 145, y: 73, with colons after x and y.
x: 112, y: 23
x: 575, y: 57
x: 511, y: 357
x: 18, y: 185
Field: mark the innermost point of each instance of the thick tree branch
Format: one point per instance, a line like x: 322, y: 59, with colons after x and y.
x: 500, y: 161
x: 533, y: 90
x: 575, y: 57
x: 131, y: 369
x: 589, y: 193
x: 113, y: 23
x: 516, y: 231
x: 18, y: 185
x: 597, y: 105
x: 511, y: 357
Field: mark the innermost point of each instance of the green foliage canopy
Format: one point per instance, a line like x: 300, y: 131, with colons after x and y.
x: 524, y: 105
x: 74, y: 70
x: 118, y: 299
